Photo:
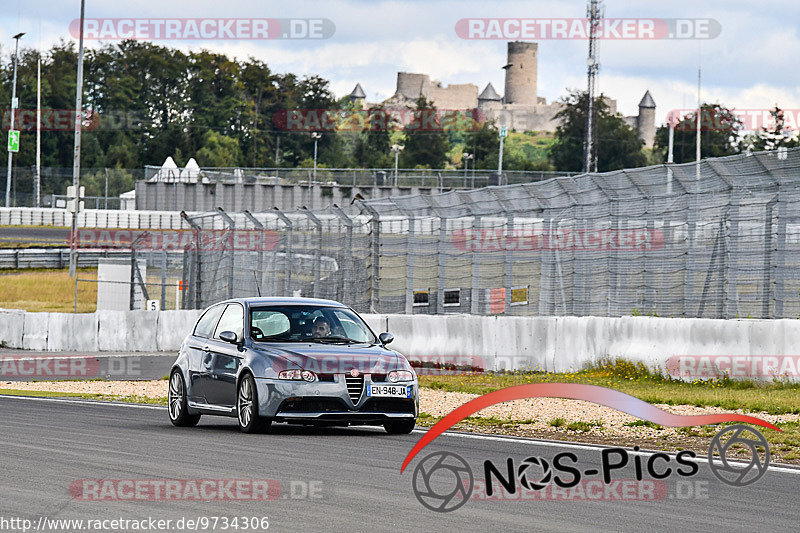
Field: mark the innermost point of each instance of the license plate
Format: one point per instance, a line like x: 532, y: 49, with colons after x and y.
x: 394, y: 391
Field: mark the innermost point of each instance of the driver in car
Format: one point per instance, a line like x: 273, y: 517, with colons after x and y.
x: 321, y: 328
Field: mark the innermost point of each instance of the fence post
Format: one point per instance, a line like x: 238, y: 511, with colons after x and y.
x: 691, y: 242
x: 196, y: 272
x: 317, y: 250
x: 509, y: 262
x: 230, y: 238
x: 349, y: 267
x: 732, y: 249
x: 780, y: 255
x: 163, y: 280
x: 475, y: 293
x: 260, y: 266
x: 287, y: 252
x: 376, y: 251
x: 766, y: 289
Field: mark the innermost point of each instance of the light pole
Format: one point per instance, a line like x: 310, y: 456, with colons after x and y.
x: 396, y: 148
x: 466, y: 158
x: 316, y: 136
x: 76, y: 155
x: 502, y: 130
x: 14, y: 106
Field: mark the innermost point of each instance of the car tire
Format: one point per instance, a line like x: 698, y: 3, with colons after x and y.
x: 176, y: 402
x: 247, y: 407
x: 399, y: 427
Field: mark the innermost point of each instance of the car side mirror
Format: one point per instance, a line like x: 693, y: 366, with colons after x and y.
x: 386, y: 337
x: 229, y: 336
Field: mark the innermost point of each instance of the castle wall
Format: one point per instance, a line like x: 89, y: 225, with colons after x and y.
x: 460, y: 96
x: 410, y: 84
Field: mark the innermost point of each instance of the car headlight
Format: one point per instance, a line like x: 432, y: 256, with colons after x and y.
x: 298, y: 375
x: 400, y: 375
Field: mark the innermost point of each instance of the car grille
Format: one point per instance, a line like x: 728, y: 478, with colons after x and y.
x: 355, y: 386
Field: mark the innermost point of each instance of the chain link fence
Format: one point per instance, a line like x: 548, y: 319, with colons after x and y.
x: 718, y: 240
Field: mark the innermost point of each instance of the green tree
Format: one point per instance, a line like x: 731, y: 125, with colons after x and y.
x: 719, y: 135
x: 617, y: 145
x: 426, y: 143
x: 777, y: 135
x: 218, y: 150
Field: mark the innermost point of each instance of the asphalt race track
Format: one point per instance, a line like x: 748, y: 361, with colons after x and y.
x: 35, y: 235
x: 46, y: 445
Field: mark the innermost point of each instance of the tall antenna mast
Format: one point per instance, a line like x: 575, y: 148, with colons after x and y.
x: 593, y: 13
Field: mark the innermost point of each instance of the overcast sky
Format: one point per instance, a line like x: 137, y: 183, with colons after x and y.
x: 751, y: 64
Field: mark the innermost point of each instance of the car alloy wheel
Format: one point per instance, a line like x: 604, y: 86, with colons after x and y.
x: 176, y: 402
x: 247, y: 407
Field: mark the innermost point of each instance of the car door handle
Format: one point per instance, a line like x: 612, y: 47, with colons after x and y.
x: 206, y: 348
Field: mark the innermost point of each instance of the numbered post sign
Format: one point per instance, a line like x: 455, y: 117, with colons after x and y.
x: 153, y: 305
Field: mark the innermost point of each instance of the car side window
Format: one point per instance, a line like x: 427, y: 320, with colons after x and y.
x: 207, y: 322
x: 232, y: 320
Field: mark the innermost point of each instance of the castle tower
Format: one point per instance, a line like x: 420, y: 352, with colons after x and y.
x: 521, y: 76
x: 646, y: 121
x: 358, y: 95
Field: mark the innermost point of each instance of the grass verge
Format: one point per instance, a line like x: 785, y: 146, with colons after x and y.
x: 85, y: 396
x: 47, y: 289
x: 638, y: 381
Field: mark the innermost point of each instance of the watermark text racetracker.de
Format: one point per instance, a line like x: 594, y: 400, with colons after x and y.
x: 44, y: 367
x: 379, y: 119
x: 64, y: 120
x: 706, y: 367
x: 714, y: 119
x: 152, y: 490
x: 514, y: 29
x: 493, y: 240
x: 154, y: 29
x: 204, y: 239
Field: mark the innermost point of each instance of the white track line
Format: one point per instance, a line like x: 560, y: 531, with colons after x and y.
x: 82, y: 402
x: 774, y: 467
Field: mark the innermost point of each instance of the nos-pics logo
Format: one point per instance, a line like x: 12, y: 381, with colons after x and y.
x: 444, y: 482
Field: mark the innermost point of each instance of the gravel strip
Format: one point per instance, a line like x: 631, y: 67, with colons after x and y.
x: 536, y: 412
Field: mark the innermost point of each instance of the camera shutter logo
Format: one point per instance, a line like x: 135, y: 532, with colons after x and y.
x: 443, y: 482
x: 735, y: 437
x: 525, y: 471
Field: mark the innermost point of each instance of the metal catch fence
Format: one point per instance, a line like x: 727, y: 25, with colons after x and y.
x: 720, y: 240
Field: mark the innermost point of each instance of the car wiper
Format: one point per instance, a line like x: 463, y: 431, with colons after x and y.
x: 333, y: 339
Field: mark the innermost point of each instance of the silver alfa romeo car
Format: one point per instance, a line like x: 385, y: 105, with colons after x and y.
x: 296, y: 360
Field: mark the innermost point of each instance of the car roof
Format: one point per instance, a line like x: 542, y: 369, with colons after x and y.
x: 282, y: 300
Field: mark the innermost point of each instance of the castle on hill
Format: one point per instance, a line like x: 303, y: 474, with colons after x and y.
x: 525, y: 110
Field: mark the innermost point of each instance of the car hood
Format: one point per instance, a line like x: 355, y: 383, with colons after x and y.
x: 332, y: 358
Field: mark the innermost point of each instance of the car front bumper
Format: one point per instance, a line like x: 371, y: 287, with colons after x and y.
x: 330, y: 402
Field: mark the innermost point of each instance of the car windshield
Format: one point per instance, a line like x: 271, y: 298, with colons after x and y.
x: 308, y: 323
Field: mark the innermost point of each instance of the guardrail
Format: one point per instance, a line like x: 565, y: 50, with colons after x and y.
x: 90, y: 218
x: 54, y: 257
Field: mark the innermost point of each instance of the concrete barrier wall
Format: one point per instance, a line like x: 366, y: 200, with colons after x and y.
x: 554, y: 344
x: 118, y: 331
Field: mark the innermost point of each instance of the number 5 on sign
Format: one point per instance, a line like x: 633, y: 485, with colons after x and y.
x: 13, y: 140
x: 153, y: 305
